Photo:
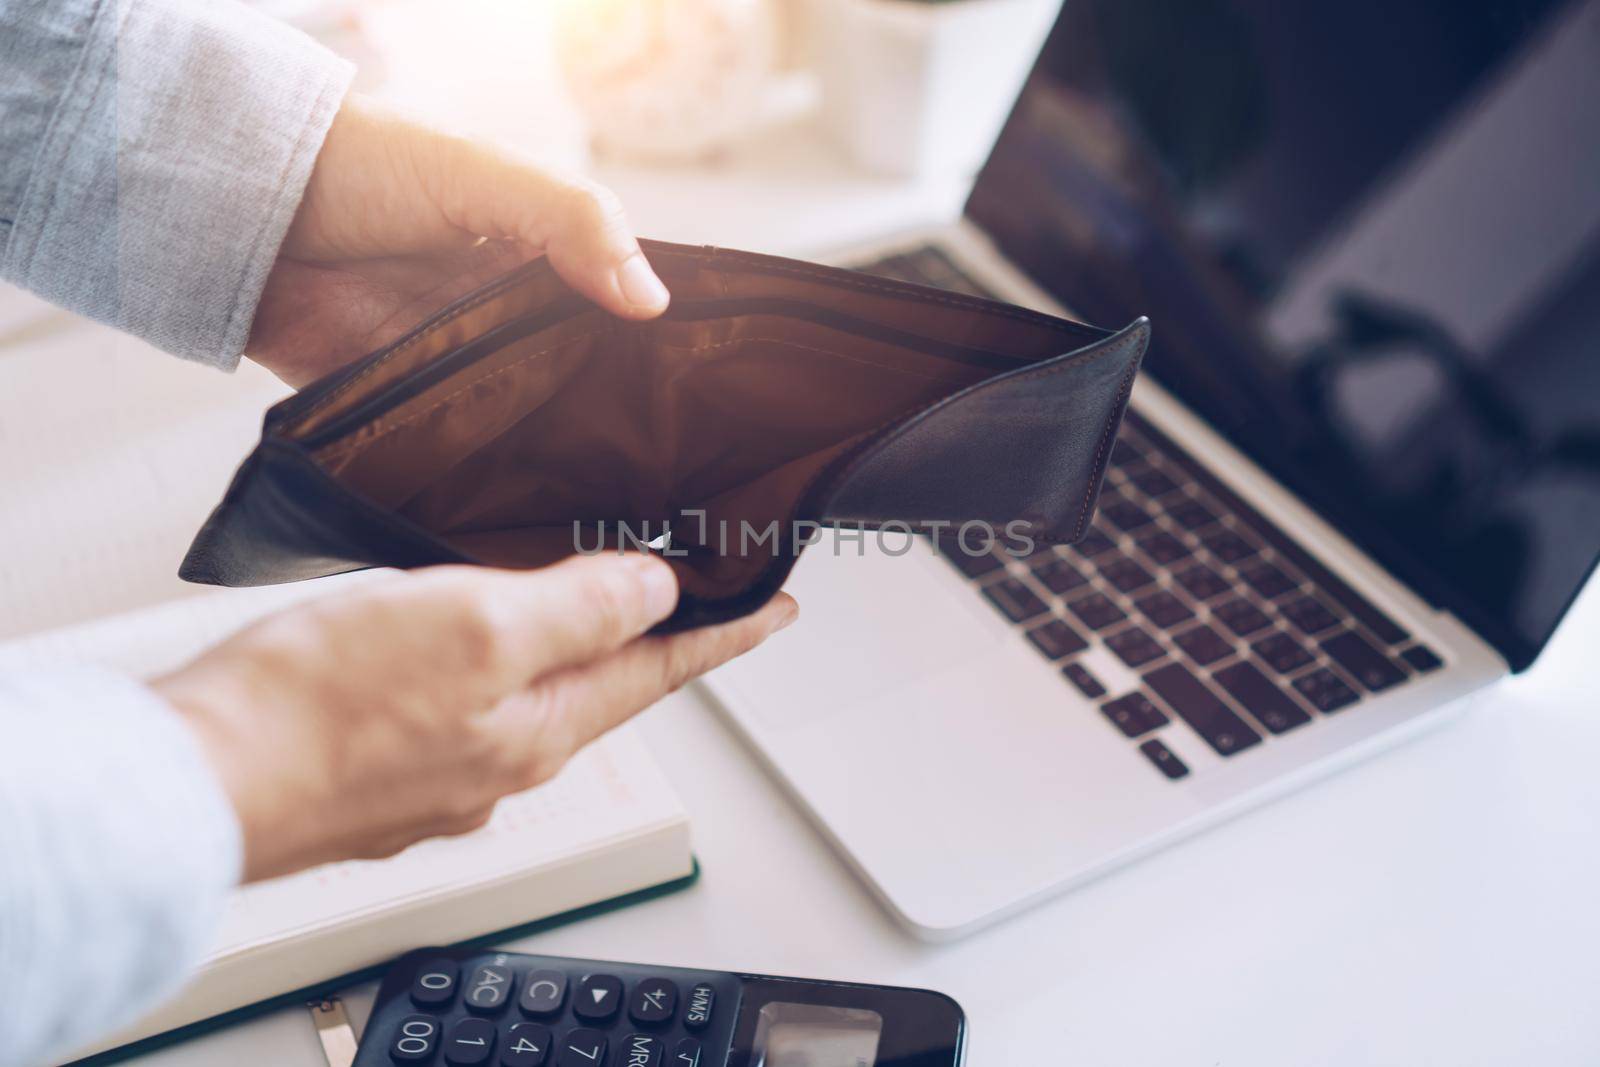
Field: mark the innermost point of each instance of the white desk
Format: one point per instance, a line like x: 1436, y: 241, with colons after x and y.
x: 1436, y: 905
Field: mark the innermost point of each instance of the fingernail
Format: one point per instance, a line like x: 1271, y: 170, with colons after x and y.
x: 639, y: 284
x: 790, y: 613
x: 659, y: 583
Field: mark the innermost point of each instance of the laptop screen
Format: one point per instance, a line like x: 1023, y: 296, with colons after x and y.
x: 1368, y: 237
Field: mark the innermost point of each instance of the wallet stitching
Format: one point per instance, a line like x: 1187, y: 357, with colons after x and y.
x: 806, y: 348
x: 845, y: 279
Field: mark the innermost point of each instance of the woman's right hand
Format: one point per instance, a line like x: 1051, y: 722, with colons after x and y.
x: 357, y: 725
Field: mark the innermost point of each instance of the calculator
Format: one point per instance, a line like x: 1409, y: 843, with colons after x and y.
x: 472, y: 1008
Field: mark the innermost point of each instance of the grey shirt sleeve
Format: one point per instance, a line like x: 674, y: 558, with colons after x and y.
x: 152, y: 155
x: 118, y: 847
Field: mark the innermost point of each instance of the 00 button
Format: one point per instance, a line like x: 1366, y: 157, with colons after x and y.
x: 416, y: 1039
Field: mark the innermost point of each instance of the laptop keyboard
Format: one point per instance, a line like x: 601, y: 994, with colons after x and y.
x: 1235, y: 632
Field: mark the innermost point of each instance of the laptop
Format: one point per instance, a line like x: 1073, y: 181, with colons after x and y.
x: 1358, y: 482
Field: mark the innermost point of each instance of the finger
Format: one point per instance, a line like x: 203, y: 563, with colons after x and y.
x: 515, y: 626
x: 580, y: 225
x: 581, y: 703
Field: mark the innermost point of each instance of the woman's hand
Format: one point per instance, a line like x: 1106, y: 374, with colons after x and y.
x: 399, y: 219
x: 354, y: 726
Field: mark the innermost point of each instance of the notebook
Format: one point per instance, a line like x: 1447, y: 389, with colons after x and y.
x: 608, y: 825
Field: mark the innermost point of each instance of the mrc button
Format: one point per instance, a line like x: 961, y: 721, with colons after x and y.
x: 697, y: 1012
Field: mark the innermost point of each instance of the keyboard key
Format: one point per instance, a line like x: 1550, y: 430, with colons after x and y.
x: 435, y: 983
x: 641, y: 1050
x: 1261, y: 697
x: 1056, y: 639
x: 1094, y: 543
x: 1380, y: 625
x: 1191, y: 514
x: 1227, y: 545
x: 597, y: 998
x: 686, y: 1053
x: 1282, y: 653
x: 1162, y: 547
x: 698, y: 1008
x: 1123, y: 573
x: 1308, y: 615
x: 1325, y: 690
x: 526, y: 1045
x: 1164, y: 759
x: 655, y: 1000
x: 543, y: 994
x: 1096, y: 611
x: 416, y: 1039
x: 1241, y: 616
x: 1203, y: 645
x: 1198, y: 706
x: 1059, y: 576
x: 1015, y: 600
x: 1422, y: 658
x: 1366, y: 664
x: 1153, y: 481
x: 469, y: 1043
x: 1202, y: 583
x: 581, y: 1048
x: 1086, y: 682
x: 488, y: 988
x: 1134, y: 647
x: 1123, y: 513
x: 1268, y: 580
x: 1163, y: 609
x: 1134, y: 714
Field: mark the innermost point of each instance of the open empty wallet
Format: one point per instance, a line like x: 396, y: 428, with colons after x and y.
x: 523, y: 424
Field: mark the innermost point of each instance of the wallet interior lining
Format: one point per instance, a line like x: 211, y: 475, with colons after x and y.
x: 500, y: 429
x: 617, y: 422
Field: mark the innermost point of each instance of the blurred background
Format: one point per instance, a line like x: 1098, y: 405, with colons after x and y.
x: 687, y: 81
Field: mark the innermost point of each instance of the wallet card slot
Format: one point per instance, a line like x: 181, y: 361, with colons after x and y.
x: 490, y: 342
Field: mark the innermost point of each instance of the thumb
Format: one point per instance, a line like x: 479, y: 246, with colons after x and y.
x: 579, y: 224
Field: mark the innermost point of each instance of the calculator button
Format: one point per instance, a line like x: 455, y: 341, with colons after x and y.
x: 598, y: 997
x: 416, y: 1039
x: 469, y: 1043
x: 435, y: 983
x: 685, y: 1053
x: 702, y: 998
x: 488, y: 988
x: 582, y: 1048
x: 526, y: 1045
x: 641, y: 1050
x: 544, y: 993
x: 655, y: 1000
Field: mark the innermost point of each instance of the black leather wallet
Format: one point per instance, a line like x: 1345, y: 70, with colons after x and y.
x: 523, y: 424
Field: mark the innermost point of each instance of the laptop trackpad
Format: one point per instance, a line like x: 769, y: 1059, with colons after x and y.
x: 869, y: 622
